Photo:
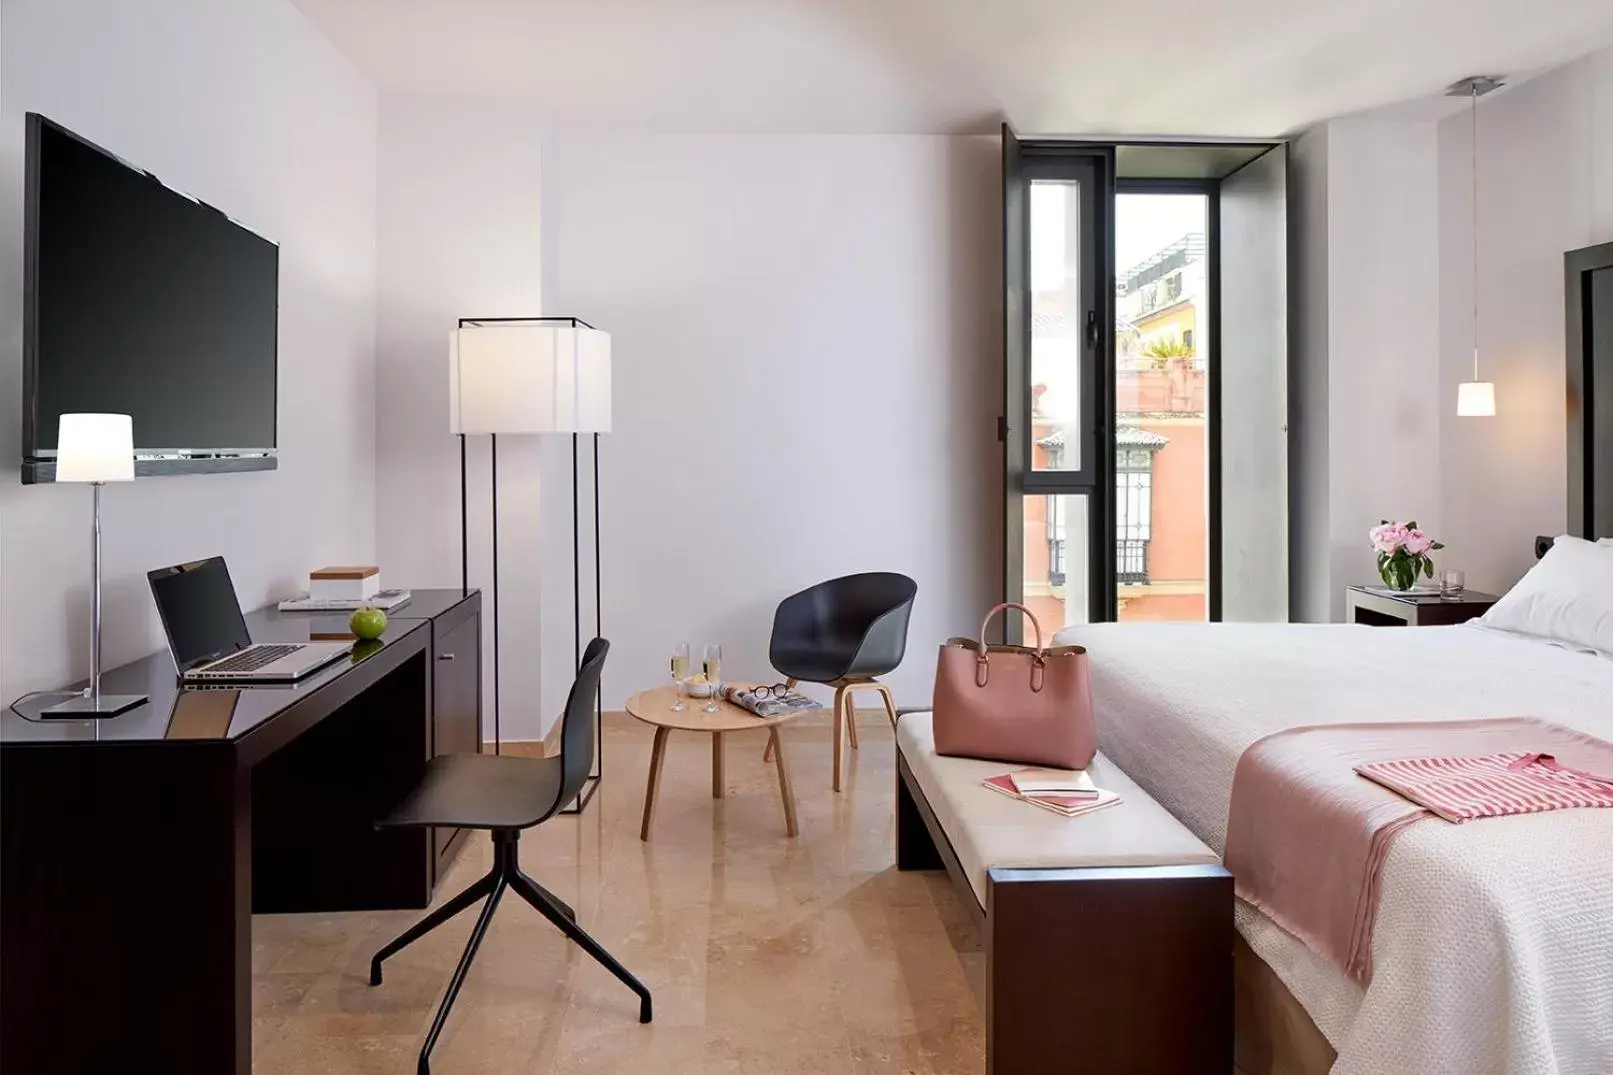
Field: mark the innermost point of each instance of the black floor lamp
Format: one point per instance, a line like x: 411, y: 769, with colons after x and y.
x: 532, y: 376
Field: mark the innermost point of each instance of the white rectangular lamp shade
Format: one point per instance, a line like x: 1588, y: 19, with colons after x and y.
x: 95, y: 448
x: 529, y: 378
x: 1475, y: 399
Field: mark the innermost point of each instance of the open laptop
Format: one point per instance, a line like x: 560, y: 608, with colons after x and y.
x: 207, y: 634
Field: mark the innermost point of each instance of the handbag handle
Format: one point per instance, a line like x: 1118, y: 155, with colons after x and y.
x: 983, y: 662
x: 1027, y: 613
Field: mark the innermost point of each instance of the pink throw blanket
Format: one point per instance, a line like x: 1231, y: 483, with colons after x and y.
x: 1307, y: 837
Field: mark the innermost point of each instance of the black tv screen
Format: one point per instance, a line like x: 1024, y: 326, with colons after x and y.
x: 141, y: 300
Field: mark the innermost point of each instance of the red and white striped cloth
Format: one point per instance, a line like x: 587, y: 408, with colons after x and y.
x: 1491, y: 785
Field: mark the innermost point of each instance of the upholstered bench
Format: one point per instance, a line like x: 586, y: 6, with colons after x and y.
x: 1108, y: 936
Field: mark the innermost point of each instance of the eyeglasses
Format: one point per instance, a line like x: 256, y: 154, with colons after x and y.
x: 777, y: 690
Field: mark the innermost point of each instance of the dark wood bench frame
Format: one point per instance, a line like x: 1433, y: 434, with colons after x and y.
x: 1125, y: 969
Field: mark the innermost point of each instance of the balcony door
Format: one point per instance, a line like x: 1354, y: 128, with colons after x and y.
x: 1145, y: 349
x: 1164, y: 353
x: 1056, y: 450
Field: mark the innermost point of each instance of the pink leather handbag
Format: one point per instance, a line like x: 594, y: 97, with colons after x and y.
x: 1014, y: 703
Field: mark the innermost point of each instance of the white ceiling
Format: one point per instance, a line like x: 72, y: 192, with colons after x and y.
x: 1189, y: 67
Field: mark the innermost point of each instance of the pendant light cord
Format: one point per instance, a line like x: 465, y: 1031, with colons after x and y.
x: 1475, y: 142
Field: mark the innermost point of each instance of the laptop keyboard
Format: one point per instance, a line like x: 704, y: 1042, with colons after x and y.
x: 252, y: 659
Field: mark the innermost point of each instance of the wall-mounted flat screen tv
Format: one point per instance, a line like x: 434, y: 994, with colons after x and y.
x: 142, y: 300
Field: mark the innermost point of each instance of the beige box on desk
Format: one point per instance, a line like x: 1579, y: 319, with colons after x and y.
x: 351, y: 583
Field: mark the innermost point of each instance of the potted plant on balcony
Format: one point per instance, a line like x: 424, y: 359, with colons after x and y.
x: 1168, y: 351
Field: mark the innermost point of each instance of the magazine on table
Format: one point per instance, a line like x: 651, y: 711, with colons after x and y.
x: 765, y: 704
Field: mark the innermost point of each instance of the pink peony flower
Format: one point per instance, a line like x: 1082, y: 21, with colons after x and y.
x: 1418, y: 543
x: 1388, y: 537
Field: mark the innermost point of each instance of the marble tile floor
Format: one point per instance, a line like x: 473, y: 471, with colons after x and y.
x: 765, y: 955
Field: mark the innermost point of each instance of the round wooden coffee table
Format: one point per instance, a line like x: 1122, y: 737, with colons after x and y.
x: 654, y: 707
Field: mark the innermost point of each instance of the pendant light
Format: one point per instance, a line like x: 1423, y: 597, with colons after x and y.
x: 1475, y: 398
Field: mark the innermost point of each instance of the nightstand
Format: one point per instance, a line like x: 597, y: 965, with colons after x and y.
x: 1416, y: 609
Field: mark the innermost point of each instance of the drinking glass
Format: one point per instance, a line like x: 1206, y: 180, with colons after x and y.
x: 1451, y: 584
x: 713, y: 670
x: 680, y: 672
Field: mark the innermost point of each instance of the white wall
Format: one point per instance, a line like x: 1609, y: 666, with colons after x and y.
x: 246, y: 106
x: 459, y: 236
x: 807, y: 370
x: 806, y: 323
x: 1309, y: 571
x: 1368, y: 329
x: 1545, y: 187
x: 1254, y: 391
x: 1383, y: 328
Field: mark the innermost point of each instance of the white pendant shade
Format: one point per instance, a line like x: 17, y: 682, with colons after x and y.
x: 529, y: 377
x: 1475, y: 399
x: 95, y: 448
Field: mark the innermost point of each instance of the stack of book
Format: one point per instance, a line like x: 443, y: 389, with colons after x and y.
x: 1066, y: 793
x: 343, y: 589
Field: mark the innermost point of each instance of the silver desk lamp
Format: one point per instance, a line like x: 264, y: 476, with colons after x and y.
x: 95, y: 448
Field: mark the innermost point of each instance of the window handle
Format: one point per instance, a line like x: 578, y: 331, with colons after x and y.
x: 445, y: 656
x: 1092, y: 328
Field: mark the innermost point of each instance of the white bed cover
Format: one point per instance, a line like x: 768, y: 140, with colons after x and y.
x: 1493, y: 950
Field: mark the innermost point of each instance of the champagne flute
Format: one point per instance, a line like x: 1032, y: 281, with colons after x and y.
x: 680, y: 672
x: 713, y: 670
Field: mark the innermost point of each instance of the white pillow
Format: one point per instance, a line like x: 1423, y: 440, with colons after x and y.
x: 1567, y: 597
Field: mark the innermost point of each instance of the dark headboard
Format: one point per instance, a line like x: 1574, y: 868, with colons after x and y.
x: 1589, y: 291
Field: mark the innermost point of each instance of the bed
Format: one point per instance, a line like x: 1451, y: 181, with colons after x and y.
x: 1493, y: 948
x: 1494, y: 942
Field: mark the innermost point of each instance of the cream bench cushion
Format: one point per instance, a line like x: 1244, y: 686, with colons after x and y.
x: 989, y: 831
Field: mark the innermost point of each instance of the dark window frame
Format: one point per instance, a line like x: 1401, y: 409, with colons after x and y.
x: 1093, y: 167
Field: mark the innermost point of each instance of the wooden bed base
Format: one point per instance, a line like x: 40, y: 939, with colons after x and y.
x: 1275, y: 1035
x: 1092, y: 970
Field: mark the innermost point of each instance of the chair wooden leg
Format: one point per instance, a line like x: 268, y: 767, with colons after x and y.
x: 785, y: 791
x: 657, y: 756
x: 716, y: 765
x: 889, y: 700
x: 839, y: 732
x: 851, y: 716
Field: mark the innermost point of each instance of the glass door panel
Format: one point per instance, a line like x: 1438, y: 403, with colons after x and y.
x: 1058, y: 315
x: 1162, y: 387
x: 1057, y: 566
x: 1056, y: 294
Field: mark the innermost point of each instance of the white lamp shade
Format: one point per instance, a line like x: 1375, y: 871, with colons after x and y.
x: 95, y: 448
x: 1475, y: 399
x: 529, y: 378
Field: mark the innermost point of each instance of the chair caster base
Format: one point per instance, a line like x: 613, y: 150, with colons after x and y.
x: 506, y: 873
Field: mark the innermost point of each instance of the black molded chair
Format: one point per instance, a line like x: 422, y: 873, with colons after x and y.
x: 504, y: 795
x: 845, y: 633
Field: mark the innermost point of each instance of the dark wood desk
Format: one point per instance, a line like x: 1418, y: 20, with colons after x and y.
x: 134, y: 850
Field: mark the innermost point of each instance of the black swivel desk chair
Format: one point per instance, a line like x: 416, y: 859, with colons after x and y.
x: 504, y: 795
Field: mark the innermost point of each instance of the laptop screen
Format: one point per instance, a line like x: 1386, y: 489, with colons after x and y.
x: 199, y: 611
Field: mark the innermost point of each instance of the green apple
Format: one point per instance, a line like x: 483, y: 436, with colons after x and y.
x: 368, y: 622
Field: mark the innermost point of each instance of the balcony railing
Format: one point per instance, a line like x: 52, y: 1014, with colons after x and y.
x: 1131, y: 561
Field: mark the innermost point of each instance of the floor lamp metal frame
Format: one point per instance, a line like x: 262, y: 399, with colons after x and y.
x: 591, y: 785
